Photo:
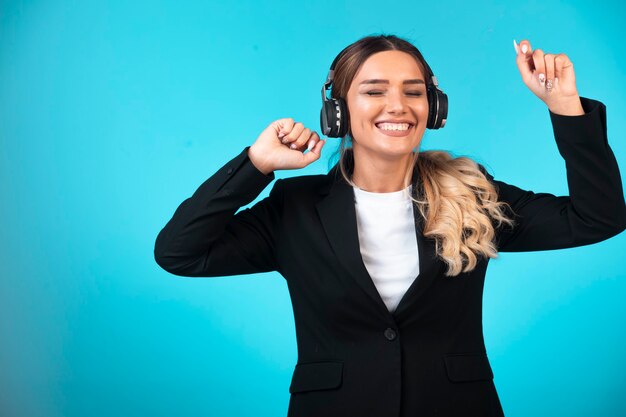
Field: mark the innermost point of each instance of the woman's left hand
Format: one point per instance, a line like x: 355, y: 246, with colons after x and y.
x: 539, y: 69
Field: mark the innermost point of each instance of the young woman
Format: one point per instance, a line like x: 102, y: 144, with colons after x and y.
x: 385, y: 256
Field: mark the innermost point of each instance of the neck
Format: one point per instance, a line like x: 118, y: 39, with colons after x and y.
x: 380, y: 175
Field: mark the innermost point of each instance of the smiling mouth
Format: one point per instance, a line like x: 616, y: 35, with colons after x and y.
x: 394, y: 129
x: 386, y: 126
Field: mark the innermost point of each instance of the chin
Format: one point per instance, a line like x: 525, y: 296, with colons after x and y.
x: 394, y: 152
x: 388, y: 146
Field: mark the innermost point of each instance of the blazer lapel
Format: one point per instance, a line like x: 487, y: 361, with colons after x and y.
x: 338, y: 216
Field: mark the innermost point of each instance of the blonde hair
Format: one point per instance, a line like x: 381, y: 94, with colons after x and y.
x: 457, y: 201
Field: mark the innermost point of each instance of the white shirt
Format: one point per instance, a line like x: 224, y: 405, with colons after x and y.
x: 387, y: 241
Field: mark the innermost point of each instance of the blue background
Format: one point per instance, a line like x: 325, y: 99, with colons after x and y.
x: 112, y: 113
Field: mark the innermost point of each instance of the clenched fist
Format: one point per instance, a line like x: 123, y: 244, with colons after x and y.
x: 284, y: 145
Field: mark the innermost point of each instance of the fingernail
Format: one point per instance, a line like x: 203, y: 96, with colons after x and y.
x: 524, y: 48
x: 516, y: 47
x: 310, y: 145
x: 542, y: 78
x: 293, y: 146
x: 280, y: 135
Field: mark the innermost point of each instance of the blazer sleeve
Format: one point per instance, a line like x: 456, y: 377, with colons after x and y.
x: 205, y: 238
x: 595, y: 208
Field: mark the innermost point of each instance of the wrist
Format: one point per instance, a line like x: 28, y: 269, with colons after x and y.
x: 258, y: 164
x: 568, y: 107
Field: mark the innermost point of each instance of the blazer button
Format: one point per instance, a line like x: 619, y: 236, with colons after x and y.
x: 230, y: 171
x: 390, y: 333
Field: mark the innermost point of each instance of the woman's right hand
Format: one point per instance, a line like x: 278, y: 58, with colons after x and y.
x: 282, y: 145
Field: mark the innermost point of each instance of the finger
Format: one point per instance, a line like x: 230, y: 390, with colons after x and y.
x: 284, y: 126
x: 524, y: 61
x: 302, y: 139
x: 294, y: 134
x: 540, y: 67
x: 549, y: 63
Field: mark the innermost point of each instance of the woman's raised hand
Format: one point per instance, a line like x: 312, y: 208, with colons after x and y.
x: 282, y: 145
x: 541, y: 70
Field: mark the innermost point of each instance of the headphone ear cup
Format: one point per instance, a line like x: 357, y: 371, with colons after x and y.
x: 324, y: 123
x: 432, y: 107
x: 443, y: 108
x: 437, y: 108
x: 344, y: 124
x: 334, y: 118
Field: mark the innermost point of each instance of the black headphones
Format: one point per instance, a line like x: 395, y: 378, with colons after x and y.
x: 335, y: 120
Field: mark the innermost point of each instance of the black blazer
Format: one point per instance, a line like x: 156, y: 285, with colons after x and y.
x: 355, y: 358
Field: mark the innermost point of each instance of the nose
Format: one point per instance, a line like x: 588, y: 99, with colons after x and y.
x: 396, y: 102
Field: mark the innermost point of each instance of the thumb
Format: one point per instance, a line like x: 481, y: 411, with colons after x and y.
x: 315, y: 153
x: 564, y: 68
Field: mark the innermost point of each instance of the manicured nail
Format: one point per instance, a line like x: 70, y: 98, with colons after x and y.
x: 516, y: 47
x: 542, y: 79
x: 310, y: 145
x: 293, y: 146
x: 524, y: 48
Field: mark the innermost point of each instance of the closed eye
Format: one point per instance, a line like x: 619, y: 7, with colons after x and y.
x: 377, y: 93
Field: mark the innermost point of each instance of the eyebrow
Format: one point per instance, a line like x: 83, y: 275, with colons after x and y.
x: 379, y: 81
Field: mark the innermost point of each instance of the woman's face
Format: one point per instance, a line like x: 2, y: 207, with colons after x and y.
x: 388, y: 105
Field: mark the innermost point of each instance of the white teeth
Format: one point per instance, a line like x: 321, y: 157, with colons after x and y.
x: 394, y: 126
